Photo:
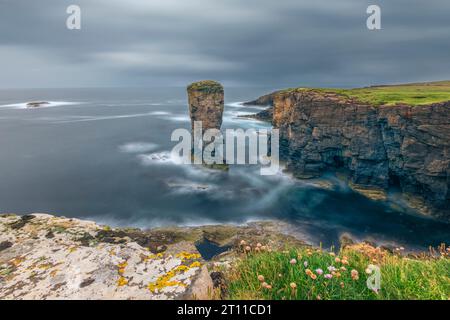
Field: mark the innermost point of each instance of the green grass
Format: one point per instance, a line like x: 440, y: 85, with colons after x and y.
x: 414, y: 94
x: 401, y: 278
x: 207, y: 86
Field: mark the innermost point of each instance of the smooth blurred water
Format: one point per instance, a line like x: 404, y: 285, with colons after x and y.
x: 100, y: 154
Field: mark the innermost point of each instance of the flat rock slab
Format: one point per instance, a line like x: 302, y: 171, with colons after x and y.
x: 48, y: 257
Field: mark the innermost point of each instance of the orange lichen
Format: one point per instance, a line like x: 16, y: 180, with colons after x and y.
x: 53, y: 273
x: 122, y: 267
x: 17, y: 261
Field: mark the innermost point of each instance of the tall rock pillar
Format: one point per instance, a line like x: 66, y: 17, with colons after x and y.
x: 206, y: 100
x: 206, y: 104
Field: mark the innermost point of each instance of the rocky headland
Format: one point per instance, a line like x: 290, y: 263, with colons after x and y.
x: 389, y: 136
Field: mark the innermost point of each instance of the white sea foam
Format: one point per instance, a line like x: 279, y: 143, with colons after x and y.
x: 235, y: 105
x: 160, y: 113
x: 188, y: 220
x: 164, y: 157
x: 241, y: 105
x: 182, y: 186
x: 122, y: 116
x: 137, y: 147
x: 50, y: 104
x: 179, y: 118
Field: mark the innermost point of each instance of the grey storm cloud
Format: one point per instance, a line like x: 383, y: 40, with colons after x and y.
x: 239, y: 42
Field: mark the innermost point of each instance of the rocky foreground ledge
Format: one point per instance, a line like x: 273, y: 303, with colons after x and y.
x: 48, y: 257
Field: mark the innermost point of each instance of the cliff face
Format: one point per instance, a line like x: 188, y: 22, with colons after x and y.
x: 381, y: 146
x: 265, y: 100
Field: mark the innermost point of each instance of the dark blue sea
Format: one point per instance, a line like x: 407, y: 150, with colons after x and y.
x: 104, y: 154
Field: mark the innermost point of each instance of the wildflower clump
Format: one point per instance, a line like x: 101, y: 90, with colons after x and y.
x: 252, y: 248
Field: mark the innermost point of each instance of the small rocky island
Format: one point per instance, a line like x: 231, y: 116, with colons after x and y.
x: 37, y: 104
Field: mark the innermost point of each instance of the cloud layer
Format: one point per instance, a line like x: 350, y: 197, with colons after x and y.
x: 239, y: 42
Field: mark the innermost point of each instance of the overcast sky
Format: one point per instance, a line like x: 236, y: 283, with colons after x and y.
x: 276, y: 43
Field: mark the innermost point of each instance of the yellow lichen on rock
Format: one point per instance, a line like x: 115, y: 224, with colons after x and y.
x: 122, y: 282
x: 166, y: 279
x: 195, y: 264
x: 188, y: 256
x: 122, y: 267
x: 59, y: 258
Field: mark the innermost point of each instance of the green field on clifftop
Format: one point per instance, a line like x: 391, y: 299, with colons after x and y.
x: 412, y: 94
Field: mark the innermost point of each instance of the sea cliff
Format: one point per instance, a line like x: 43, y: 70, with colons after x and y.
x: 390, y: 136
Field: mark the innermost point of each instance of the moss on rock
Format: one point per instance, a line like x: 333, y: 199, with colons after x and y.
x: 207, y: 86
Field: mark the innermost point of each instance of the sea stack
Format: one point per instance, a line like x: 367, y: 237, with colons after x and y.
x: 206, y: 104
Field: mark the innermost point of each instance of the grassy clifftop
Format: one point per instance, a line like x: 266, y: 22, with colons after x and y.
x: 208, y: 86
x: 414, y: 94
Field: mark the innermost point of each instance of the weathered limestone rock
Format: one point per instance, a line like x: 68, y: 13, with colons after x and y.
x: 381, y: 146
x: 206, y: 103
x: 48, y: 257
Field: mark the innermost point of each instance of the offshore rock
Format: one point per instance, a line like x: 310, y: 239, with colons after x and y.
x: 206, y: 104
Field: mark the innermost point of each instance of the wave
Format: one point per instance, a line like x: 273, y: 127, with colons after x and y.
x: 183, y: 186
x: 123, y: 116
x: 240, y: 105
x: 138, y: 147
x: 50, y: 104
x: 161, y: 113
x: 164, y: 157
x: 179, y: 118
x: 235, y: 104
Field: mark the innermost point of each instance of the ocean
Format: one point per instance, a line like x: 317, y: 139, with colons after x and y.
x: 104, y: 154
